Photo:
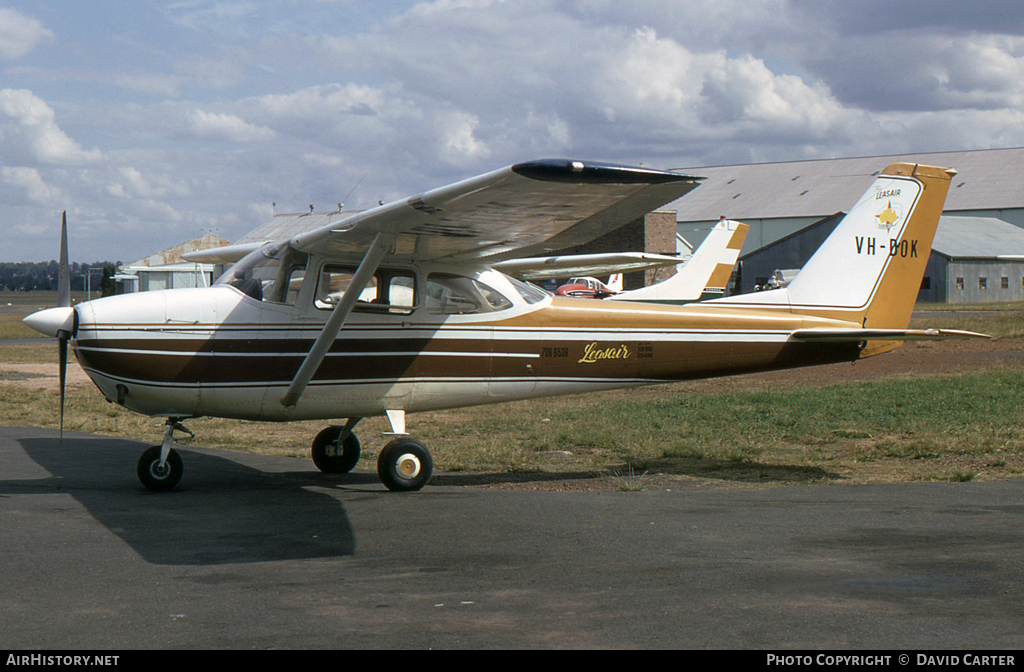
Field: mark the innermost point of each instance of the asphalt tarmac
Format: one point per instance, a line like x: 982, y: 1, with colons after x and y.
x: 257, y: 552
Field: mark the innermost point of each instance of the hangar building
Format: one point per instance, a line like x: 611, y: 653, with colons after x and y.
x: 166, y: 270
x: 791, y: 207
x: 968, y: 263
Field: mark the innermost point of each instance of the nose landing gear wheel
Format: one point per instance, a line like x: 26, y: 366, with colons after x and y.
x: 155, y: 477
x: 404, y: 465
x: 332, y: 456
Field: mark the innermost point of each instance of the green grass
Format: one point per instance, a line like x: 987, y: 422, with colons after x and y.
x: 957, y: 428
x: 1002, y: 320
x: 791, y: 435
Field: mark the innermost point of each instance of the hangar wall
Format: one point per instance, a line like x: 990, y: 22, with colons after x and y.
x: 984, y: 281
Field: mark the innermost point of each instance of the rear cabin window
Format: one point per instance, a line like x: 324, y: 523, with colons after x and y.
x: 391, y: 291
x: 530, y: 293
x: 449, y: 294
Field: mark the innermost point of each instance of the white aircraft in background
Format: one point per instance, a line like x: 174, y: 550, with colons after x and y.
x: 398, y: 309
x: 706, y: 274
x: 703, y: 275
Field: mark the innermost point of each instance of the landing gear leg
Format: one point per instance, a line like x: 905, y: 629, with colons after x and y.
x: 160, y: 467
x: 336, y: 450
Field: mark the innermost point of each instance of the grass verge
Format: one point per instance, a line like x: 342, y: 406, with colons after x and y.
x: 952, y: 428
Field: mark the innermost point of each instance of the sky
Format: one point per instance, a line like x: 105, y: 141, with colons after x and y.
x: 155, y: 122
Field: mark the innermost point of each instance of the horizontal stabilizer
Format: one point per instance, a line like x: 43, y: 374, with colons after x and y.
x: 848, y: 335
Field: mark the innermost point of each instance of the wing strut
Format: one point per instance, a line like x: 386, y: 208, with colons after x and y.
x: 367, y: 267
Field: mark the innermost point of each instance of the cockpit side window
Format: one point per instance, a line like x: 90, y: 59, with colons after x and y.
x: 390, y: 291
x: 449, y: 294
x: 274, y: 274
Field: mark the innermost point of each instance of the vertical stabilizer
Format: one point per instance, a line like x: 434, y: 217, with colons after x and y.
x: 869, y: 269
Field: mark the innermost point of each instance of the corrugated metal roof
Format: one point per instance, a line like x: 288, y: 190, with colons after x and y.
x: 986, y: 179
x: 977, y: 237
x: 284, y: 226
x: 173, y: 255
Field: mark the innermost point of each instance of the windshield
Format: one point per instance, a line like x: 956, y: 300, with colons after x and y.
x: 273, y: 273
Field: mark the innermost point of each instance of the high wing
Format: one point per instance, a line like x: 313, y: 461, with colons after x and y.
x: 543, y: 268
x: 526, y: 209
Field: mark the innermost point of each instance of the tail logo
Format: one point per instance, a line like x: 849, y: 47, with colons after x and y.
x: 888, y: 217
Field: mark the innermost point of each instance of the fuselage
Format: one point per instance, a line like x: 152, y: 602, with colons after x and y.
x: 221, y: 352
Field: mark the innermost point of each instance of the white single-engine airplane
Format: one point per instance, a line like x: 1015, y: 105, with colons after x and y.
x: 396, y: 310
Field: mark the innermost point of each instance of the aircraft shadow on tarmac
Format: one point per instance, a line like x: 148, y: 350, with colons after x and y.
x: 223, y: 512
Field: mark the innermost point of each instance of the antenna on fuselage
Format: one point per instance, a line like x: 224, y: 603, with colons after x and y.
x: 342, y: 204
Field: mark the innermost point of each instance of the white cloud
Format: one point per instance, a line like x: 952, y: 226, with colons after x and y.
x: 28, y: 187
x: 921, y: 72
x: 310, y: 97
x: 129, y: 182
x: 456, y: 139
x: 20, y: 34
x: 228, y: 127
x: 656, y: 93
x: 30, y: 134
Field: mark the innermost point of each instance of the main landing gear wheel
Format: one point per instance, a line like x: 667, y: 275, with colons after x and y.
x: 332, y: 456
x: 404, y: 465
x: 155, y: 477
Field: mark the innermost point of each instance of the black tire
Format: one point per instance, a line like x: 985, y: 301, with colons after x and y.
x: 155, y: 478
x: 404, y: 465
x: 332, y: 458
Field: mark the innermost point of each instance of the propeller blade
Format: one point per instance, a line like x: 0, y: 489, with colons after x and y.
x: 63, y: 301
x: 62, y: 342
x: 64, y: 279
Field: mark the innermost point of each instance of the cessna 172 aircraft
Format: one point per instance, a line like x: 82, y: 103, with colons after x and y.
x: 397, y: 309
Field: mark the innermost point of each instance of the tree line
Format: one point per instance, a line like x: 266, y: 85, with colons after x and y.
x: 27, y: 276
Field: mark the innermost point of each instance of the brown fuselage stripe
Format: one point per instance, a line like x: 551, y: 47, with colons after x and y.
x: 275, y: 361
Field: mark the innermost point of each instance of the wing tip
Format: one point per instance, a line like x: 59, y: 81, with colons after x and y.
x: 593, y: 172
